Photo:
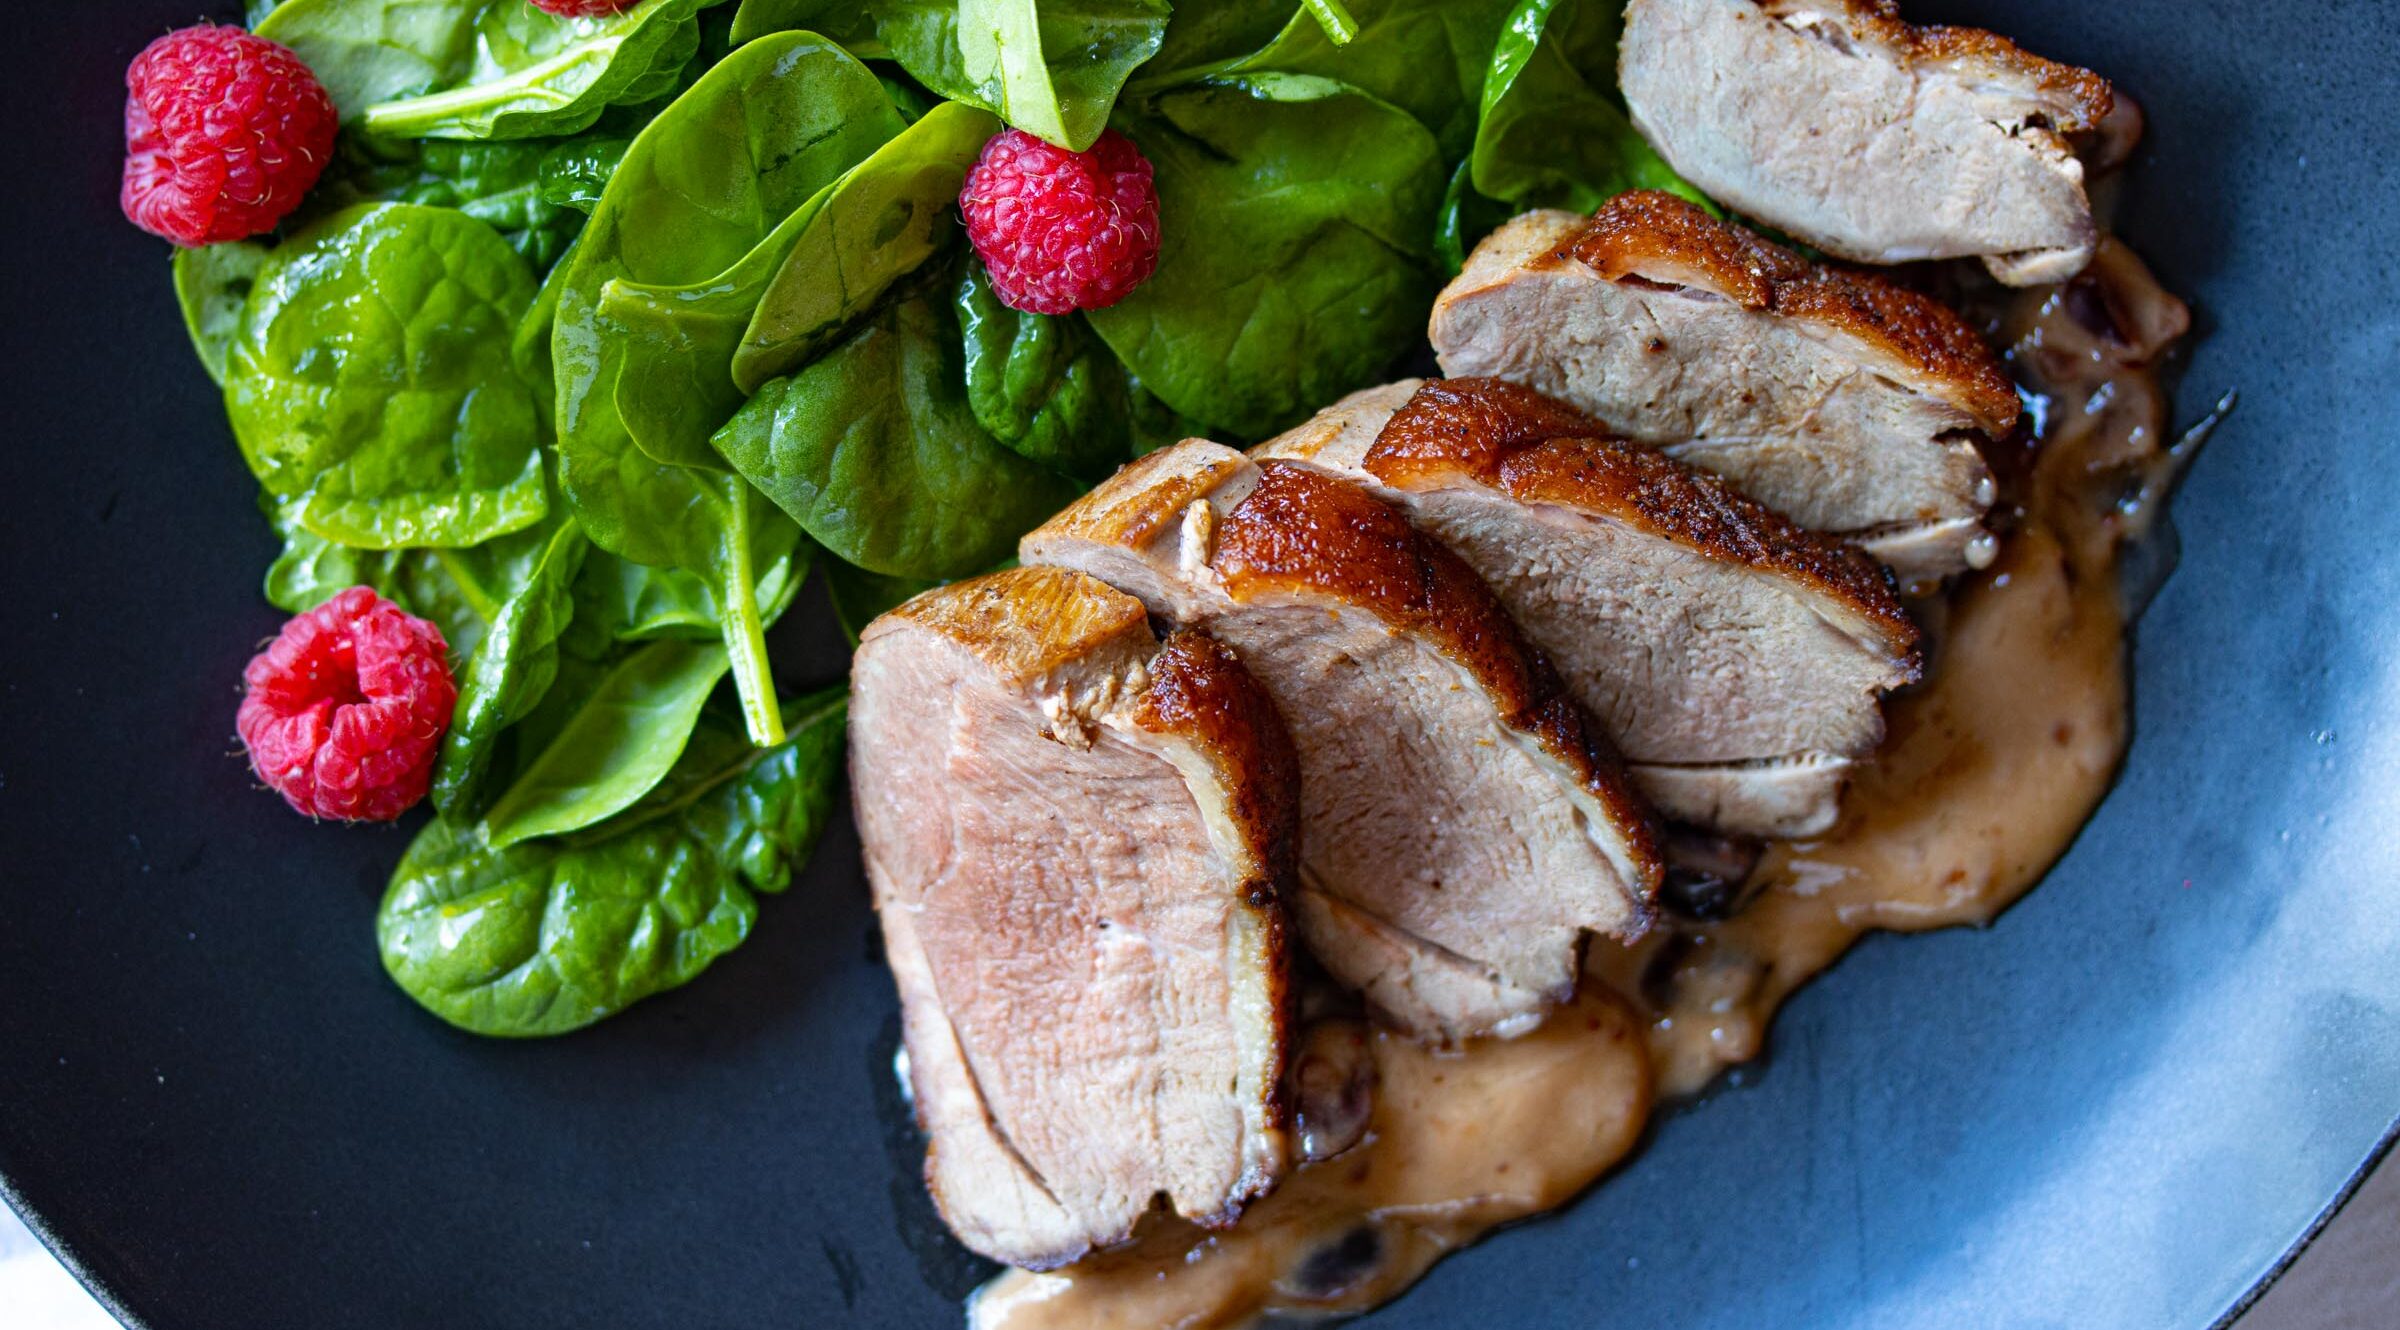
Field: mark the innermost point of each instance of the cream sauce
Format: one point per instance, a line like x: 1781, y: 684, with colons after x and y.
x: 1990, y: 768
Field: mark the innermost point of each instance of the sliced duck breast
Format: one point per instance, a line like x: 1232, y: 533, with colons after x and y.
x: 1871, y: 139
x: 1080, y: 841
x: 1843, y: 401
x: 1737, y: 660
x: 1464, y: 826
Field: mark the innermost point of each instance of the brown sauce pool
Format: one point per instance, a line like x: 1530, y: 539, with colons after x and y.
x: 1989, y: 769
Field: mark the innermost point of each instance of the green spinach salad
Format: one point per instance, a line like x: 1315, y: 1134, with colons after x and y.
x: 593, y: 337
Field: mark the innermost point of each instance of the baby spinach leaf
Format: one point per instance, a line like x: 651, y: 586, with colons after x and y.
x: 675, y: 346
x: 1426, y: 57
x: 873, y: 450
x: 370, y: 375
x: 617, y: 600
x: 883, y: 218
x: 498, y: 184
x: 547, y: 936
x: 574, y: 173
x: 1049, y: 67
x: 1202, y: 36
x: 526, y: 73
x: 368, y: 51
x: 1296, y: 219
x: 1044, y: 386
x: 1155, y: 424
x: 697, y: 219
x: 845, y: 21
x: 620, y: 740
x: 460, y: 590
x: 1467, y: 216
x: 1551, y: 134
x: 700, y: 187
x: 212, y: 284
x: 510, y: 671
x: 859, y: 596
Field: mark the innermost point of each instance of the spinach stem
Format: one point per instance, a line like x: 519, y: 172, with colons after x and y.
x: 746, y: 637
x: 1331, y: 16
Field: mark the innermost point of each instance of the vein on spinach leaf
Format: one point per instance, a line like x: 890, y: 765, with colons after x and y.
x: 1296, y: 220
x: 616, y: 742
x: 883, y: 218
x: 700, y: 187
x: 548, y: 936
x: 370, y: 377
x: 874, y: 451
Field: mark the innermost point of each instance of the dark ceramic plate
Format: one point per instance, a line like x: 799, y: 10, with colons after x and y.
x: 2122, y: 1106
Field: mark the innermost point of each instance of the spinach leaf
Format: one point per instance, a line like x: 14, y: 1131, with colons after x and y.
x: 510, y: 671
x: 618, y: 601
x: 1202, y: 36
x: 882, y: 219
x: 212, y: 284
x: 256, y: 11
x: 1049, y: 67
x: 529, y: 344
x: 369, y: 51
x: 616, y: 743
x: 548, y: 936
x: 1154, y: 424
x: 462, y: 591
x: 370, y: 375
x: 485, y: 69
x: 575, y: 173
x: 874, y: 451
x: 845, y: 21
x: 1043, y: 386
x: 1467, y: 216
x: 859, y: 596
x: 1296, y: 219
x: 1551, y: 134
x: 535, y: 74
x: 1422, y: 56
x: 697, y: 219
x: 1426, y: 57
x: 498, y: 184
x: 700, y: 187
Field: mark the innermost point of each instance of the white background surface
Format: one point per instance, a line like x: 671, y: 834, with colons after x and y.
x: 2349, y: 1280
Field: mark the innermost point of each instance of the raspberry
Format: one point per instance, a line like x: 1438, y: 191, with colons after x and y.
x: 344, y: 711
x: 224, y: 132
x: 581, y: 8
x: 1062, y: 230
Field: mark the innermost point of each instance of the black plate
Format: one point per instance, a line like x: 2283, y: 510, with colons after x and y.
x: 2120, y: 1107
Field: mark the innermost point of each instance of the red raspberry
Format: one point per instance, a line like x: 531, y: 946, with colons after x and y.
x: 224, y: 132
x: 582, y: 8
x: 345, y: 709
x: 1062, y: 230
